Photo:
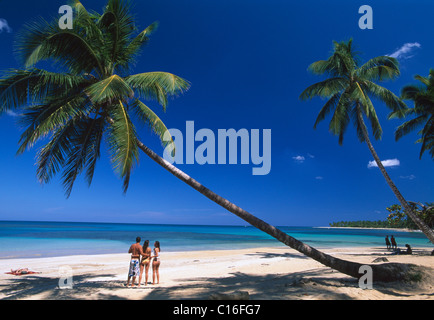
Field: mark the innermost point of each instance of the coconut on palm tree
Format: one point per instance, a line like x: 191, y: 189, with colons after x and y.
x: 349, y: 89
x: 422, y: 96
x: 94, y: 97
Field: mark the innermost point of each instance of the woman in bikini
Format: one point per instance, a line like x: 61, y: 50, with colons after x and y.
x: 146, y: 260
x: 156, y: 263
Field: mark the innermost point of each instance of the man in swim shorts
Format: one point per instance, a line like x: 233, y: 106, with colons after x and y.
x: 134, y: 270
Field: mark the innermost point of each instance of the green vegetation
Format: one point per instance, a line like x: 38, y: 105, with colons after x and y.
x: 396, y: 218
x: 422, y: 96
x: 361, y: 224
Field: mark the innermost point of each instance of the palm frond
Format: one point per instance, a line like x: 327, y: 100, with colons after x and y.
x: 21, y: 87
x: 340, y: 118
x: 42, y: 40
x: 122, y: 140
x: 113, y: 88
x: 321, y: 67
x: 379, y: 69
x: 157, y: 85
x: 393, y: 102
x: 126, y: 57
x: 325, y: 89
x: 364, y: 105
x: 341, y: 63
x: 40, y: 120
x: 84, y: 151
x: 146, y: 115
x: 358, y: 122
x: 118, y: 27
x: 410, y: 92
x: 409, y: 126
x: 427, y: 137
x: 328, y: 107
x: 377, y: 131
x: 425, y: 80
x: 51, y: 157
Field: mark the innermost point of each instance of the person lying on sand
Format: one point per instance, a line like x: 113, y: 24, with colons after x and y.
x: 21, y: 271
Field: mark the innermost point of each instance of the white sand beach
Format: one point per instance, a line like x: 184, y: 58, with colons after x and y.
x: 264, y: 273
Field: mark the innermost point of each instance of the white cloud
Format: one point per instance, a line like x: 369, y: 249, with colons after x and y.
x: 409, y: 177
x: 404, y: 51
x: 4, y: 26
x: 299, y: 159
x: 12, y: 113
x: 386, y: 163
x: 319, y: 178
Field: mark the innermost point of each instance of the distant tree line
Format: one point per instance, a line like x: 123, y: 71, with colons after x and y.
x: 396, y: 218
x: 361, y: 224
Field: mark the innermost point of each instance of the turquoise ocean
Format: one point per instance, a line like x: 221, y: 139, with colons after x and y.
x: 22, y: 239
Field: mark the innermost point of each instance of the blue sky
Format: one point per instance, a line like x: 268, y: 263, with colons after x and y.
x: 247, y: 64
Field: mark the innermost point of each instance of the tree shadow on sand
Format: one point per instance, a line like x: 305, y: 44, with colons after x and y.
x: 324, y: 284
x: 270, y: 255
x: 260, y: 287
x: 28, y: 287
x: 378, y: 251
x: 319, y: 283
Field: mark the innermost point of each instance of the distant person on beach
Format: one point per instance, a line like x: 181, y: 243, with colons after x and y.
x: 156, y: 263
x: 387, y: 242
x: 134, y: 270
x: 393, y: 241
x: 146, y: 261
x: 408, y: 251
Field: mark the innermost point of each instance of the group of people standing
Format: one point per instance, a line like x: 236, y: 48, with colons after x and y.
x: 391, y: 244
x: 142, y: 257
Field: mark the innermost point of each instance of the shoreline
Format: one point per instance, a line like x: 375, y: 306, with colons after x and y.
x: 208, y: 251
x: 276, y: 273
x: 275, y: 245
x: 391, y: 229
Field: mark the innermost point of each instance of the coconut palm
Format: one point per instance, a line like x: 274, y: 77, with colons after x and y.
x: 422, y: 96
x: 93, y: 98
x: 349, y: 88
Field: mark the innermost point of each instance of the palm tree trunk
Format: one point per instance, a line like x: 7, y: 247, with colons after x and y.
x: 421, y: 225
x: 384, y: 272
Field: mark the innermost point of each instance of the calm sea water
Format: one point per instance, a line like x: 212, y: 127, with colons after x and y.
x: 44, y: 239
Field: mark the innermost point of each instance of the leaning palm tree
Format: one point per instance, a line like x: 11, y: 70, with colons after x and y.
x: 94, y: 98
x: 349, y: 89
x: 423, y: 112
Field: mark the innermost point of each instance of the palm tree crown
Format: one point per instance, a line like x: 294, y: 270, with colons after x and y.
x: 92, y: 98
x: 422, y: 96
x: 350, y: 87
